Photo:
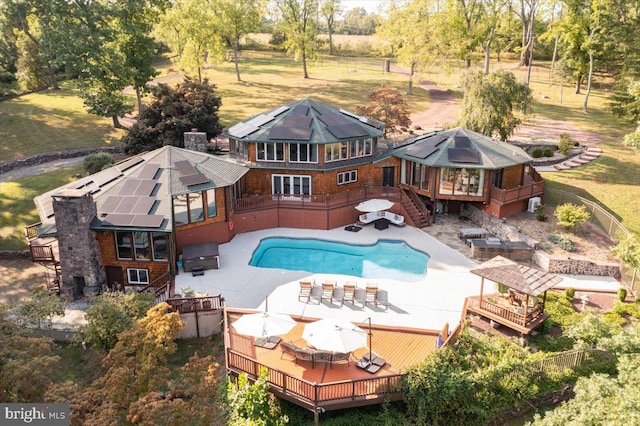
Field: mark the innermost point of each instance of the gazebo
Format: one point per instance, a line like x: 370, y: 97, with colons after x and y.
x: 519, y: 307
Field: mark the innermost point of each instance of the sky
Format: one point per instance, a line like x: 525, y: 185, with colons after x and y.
x: 369, y: 5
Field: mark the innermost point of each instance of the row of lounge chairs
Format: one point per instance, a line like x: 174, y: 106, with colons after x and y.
x: 313, y: 355
x: 345, y: 294
x: 396, y: 219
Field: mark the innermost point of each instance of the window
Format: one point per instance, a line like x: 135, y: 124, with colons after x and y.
x: 419, y: 175
x: 266, y: 151
x: 138, y: 276
x: 361, y: 148
x: 291, y: 185
x: 335, y: 151
x: 188, y: 208
x: 347, y: 177
x: 160, y: 246
x: 238, y: 147
x: 303, y: 153
x: 123, y: 245
x: 211, y: 203
x: 141, y: 245
x: 461, y: 181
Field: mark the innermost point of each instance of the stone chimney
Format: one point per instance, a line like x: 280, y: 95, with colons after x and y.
x: 80, y: 261
x: 195, y: 140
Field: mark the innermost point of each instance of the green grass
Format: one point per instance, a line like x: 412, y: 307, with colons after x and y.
x: 16, y: 203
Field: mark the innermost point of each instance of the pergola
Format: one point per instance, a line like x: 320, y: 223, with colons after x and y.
x: 527, y: 281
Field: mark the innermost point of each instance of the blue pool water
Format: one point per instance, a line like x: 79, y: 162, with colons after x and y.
x: 385, y: 259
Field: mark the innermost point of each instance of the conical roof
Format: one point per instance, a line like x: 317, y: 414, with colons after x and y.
x: 522, y: 278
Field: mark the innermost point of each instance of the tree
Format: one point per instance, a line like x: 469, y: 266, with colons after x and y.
x: 387, y: 105
x: 93, y: 163
x: 39, y: 309
x: 571, y: 215
x: 526, y: 10
x: 111, y: 313
x: 329, y: 10
x: 489, y: 103
x: 172, y: 113
x: 104, y: 98
x: 192, y: 28
x: 628, y: 250
x: 237, y: 19
x: 253, y: 403
x: 299, y: 22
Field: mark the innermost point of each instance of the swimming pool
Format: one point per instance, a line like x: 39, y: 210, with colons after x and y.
x: 385, y: 259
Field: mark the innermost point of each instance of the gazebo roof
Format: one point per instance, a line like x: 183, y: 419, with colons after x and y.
x: 522, y: 278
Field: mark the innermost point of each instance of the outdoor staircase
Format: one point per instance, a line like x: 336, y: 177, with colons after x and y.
x: 591, y: 153
x: 415, y: 208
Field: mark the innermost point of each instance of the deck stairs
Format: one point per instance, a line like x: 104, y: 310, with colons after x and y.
x: 415, y: 208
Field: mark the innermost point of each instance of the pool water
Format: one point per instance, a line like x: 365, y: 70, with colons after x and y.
x: 385, y: 259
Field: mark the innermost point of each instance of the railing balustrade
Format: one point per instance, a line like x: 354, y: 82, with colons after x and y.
x: 41, y: 253
x: 31, y: 231
x: 507, y: 313
x: 193, y: 304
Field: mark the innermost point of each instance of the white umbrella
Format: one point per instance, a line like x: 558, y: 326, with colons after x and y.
x: 334, y: 335
x: 374, y: 205
x: 264, y: 324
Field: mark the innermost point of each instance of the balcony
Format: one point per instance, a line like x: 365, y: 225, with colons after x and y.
x: 496, y: 308
x: 533, y: 186
x: 42, y: 250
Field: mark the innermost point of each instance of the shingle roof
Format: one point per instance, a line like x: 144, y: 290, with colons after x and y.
x: 163, y: 179
x: 305, y: 121
x: 436, y: 150
x: 522, y: 278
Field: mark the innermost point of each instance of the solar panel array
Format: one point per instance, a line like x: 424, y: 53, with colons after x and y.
x: 349, y: 130
x: 463, y: 155
x: 290, y: 133
x: 462, y: 142
x: 425, y: 148
x: 339, y: 125
x: 189, y: 176
x: 366, y: 120
x: 252, y: 125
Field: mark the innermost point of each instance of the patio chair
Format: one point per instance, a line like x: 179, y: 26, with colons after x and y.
x: 371, y: 294
x: 328, y: 288
x: 305, y: 290
x: 349, y: 292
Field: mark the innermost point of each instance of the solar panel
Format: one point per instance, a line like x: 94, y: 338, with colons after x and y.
x: 259, y: 120
x: 111, y: 204
x: 276, y: 112
x: 463, y: 155
x: 46, y: 205
x: 241, y: 130
x: 149, y: 171
x: 350, y: 130
x: 290, y: 133
x: 114, y: 219
x: 194, y: 179
x: 81, y: 183
x: 423, y: 148
x: 300, y: 110
x: 128, y: 163
x: 146, y: 187
x: 104, y: 177
x: 147, y: 221
x: 143, y: 205
x: 462, y: 142
x: 129, y: 187
x: 126, y: 205
x: 185, y: 168
x: 296, y: 121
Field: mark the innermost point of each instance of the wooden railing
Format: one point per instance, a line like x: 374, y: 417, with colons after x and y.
x: 504, y: 196
x: 353, y: 196
x: 314, y: 394
x: 196, y: 304
x: 422, y: 209
x: 505, y: 312
x: 42, y: 253
x: 31, y: 231
x: 159, y: 287
x: 569, y: 359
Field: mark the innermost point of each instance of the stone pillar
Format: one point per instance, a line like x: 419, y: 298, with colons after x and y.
x: 195, y: 140
x: 80, y: 260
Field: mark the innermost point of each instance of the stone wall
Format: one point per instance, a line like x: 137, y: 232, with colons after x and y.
x: 558, y: 265
x: 496, y: 226
x: 7, y: 166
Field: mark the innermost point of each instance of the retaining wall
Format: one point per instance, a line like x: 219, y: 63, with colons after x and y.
x: 7, y: 166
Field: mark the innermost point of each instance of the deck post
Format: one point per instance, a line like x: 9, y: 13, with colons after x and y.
x: 526, y: 308
x: 316, y: 417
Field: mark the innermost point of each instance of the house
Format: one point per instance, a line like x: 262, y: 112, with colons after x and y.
x: 126, y: 225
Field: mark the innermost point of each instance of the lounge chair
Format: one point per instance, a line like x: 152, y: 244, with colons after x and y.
x: 371, y: 294
x: 305, y: 290
x: 328, y: 288
x: 349, y: 292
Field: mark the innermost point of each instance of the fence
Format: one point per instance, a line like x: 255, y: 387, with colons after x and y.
x: 606, y: 221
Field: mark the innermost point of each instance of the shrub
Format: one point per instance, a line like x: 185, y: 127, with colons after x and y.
x: 540, y: 214
x: 563, y: 241
x: 93, y: 163
x: 570, y: 215
x: 39, y: 309
x: 628, y: 250
x: 622, y: 294
x: 565, y: 143
x: 570, y: 293
x: 548, y: 152
x: 536, y: 153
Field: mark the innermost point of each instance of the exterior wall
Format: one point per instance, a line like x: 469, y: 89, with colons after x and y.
x: 200, y: 324
x: 557, y: 265
x: 503, y: 211
x: 80, y: 258
x: 512, y: 176
x: 109, y: 253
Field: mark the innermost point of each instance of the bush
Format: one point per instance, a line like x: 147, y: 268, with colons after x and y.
x: 563, y: 241
x: 548, y: 152
x: 565, y: 143
x: 570, y: 293
x: 540, y: 214
x: 39, y: 309
x: 622, y: 294
x: 536, y: 153
x: 570, y: 215
x: 94, y: 163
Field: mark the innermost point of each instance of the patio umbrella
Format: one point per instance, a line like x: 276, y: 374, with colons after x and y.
x: 264, y: 324
x: 374, y: 205
x: 334, y: 335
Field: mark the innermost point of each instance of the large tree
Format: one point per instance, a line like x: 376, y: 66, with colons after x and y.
x: 172, y: 113
x: 329, y: 10
x: 299, y: 21
x: 490, y: 103
x: 387, y: 105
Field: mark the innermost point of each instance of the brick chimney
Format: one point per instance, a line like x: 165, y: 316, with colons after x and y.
x: 80, y: 260
x: 195, y: 140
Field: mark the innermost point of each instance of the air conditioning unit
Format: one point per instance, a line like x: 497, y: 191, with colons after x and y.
x: 534, y: 202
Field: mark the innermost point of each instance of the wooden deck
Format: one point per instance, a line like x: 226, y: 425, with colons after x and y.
x: 506, y: 315
x: 336, y: 386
